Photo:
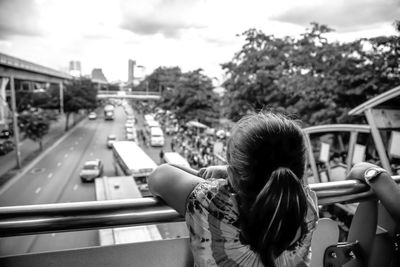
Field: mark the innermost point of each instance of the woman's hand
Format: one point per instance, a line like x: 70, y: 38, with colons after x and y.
x: 214, y: 172
x: 358, y: 170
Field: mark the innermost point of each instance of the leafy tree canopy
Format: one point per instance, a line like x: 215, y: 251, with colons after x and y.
x: 35, y: 124
x: 317, y: 80
x: 190, y: 95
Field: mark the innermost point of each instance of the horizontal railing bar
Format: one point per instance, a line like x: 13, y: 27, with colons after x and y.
x: 62, y: 217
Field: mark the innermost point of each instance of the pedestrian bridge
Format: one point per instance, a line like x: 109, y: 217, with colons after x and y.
x: 139, y: 95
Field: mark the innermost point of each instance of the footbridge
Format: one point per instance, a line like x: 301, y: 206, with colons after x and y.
x: 138, y: 95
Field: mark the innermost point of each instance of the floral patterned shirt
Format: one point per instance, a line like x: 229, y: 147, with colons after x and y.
x: 212, y: 219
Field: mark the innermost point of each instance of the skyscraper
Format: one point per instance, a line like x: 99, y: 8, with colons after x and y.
x: 131, y: 70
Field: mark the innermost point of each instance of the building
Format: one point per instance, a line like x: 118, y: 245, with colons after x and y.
x: 75, y: 68
x: 100, y: 79
x: 131, y: 70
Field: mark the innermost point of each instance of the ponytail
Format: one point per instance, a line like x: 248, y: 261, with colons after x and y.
x: 276, y: 215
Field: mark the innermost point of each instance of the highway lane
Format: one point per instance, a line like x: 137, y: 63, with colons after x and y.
x: 75, y: 190
x: 55, y: 178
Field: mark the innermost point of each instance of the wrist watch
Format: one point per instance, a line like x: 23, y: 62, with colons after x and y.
x: 372, y: 173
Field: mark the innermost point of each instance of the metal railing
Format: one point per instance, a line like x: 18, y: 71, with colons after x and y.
x: 63, y: 217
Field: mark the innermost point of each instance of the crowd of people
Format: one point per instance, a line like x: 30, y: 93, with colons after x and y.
x: 200, y: 146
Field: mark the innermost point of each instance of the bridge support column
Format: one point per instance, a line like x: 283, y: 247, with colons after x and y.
x: 15, y: 122
x: 61, y: 98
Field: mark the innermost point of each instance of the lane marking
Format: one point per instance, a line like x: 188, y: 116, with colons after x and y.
x: 75, y: 187
x: 66, y: 155
x: 50, y: 175
x: 26, y: 169
x: 38, y: 190
x: 59, y: 164
x: 53, y: 234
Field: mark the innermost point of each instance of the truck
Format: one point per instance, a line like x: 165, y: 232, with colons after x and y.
x: 108, y: 112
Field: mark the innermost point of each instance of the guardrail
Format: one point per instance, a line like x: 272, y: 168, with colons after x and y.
x: 63, y: 217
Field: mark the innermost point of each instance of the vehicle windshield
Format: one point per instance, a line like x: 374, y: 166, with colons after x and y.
x: 90, y: 167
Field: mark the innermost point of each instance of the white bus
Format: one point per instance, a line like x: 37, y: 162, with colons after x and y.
x: 131, y: 160
x: 123, y: 187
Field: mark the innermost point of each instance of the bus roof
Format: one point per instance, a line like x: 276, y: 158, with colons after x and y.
x: 153, y: 124
x: 175, y: 158
x: 156, y: 131
x: 133, y: 157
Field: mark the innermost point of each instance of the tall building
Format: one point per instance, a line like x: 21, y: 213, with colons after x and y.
x: 75, y: 68
x: 131, y: 70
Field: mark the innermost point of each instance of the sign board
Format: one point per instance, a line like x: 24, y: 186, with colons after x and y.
x: 3, y: 101
x: 394, y: 145
x: 359, y: 154
x: 218, y: 148
x: 324, y: 152
x: 386, y: 118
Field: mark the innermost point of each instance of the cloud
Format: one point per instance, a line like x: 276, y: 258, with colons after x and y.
x: 342, y: 15
x: 19, y: 17
x: 168, y: 17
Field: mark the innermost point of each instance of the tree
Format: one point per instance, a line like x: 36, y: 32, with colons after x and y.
x: 79, y: 94
x: 317, y: 80
x: 35, y: 124
x: 188, y: 94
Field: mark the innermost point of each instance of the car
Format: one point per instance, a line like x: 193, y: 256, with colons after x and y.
x: 92, y: 116
x: 91, y: 170
x: 6, y: 146
x: 110, y: 140
x: 5, y: 133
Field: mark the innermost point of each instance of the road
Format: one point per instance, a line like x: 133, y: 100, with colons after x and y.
x: 55, y: 179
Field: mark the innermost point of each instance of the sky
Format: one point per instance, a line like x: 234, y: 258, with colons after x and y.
x: 190, y: 34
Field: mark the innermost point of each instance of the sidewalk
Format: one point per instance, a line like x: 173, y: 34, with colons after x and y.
x: 30, y: 150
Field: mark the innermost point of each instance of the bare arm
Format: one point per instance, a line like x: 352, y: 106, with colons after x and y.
x: 173, y: 185
x: 220, y: 171
x: 384, y: 187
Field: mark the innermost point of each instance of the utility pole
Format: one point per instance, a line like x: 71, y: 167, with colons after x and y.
x: 15, y: 122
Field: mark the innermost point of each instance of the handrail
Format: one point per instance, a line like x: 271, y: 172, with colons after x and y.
x: 63, y: 217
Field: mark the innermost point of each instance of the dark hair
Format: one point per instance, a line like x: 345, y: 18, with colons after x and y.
x: 267, y: 153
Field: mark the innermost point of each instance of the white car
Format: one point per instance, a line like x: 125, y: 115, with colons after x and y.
x: 110, y: 140
x: 92, y: 116
x: 91, y: 170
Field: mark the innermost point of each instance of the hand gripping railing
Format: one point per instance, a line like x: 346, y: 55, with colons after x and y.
x: 63, y: 217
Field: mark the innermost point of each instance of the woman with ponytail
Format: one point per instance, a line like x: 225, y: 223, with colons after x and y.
x: 257, y: 210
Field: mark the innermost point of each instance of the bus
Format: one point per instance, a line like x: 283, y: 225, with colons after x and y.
x: 130, y: 160
x: 109, y: 112
x: 123, y: 187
